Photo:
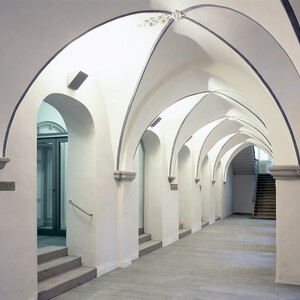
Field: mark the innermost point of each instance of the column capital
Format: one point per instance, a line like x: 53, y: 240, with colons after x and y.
x: 285, y: 172
x: 3, y: 162
x: 124, y: 175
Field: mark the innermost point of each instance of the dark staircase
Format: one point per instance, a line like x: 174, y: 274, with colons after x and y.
x: 265, y: 204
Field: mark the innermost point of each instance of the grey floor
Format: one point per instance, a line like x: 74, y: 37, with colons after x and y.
x: 231, y: 259
x: 45, y: 241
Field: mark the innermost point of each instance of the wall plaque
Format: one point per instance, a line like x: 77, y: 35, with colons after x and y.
x: 7, y: 186
x: 174, y: 187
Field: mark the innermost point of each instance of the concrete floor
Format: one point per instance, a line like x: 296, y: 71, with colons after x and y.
x: 45, y: 241
x: 231, y: 259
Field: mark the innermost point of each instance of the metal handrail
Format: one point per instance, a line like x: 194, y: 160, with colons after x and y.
x: 70, y: 201
x: 256, y: 167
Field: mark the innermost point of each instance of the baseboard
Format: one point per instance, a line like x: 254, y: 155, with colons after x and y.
x: 170, y: 241
x: 125, y: 263
x: 196, y: 228
x: 101, y: 270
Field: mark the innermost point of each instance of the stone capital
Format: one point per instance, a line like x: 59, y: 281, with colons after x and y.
x: 124, y: 175
x: 288, y: 172
x: 171, y: 178
x: 3, y: 162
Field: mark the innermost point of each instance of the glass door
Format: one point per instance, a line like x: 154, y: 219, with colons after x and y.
x: 51, y: 186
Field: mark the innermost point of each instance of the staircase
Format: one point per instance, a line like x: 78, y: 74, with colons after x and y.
x: 146, y: 244
x: 265, y: 204
x: 59, y: 272
x: 183, y: 231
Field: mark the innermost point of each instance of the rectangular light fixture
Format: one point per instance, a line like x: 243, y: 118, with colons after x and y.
x: 74, y: 82
x: 155, y: 122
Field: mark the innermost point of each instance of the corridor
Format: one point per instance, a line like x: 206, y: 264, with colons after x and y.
x: 231, y: 259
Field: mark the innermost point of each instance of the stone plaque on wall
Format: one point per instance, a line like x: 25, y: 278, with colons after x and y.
x: 174, y: 187
x: 7, y: 186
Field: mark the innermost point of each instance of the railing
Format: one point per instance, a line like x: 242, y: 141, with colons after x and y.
x: 256, y: 167
x: 70, y: 201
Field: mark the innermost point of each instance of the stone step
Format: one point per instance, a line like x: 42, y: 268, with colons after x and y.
x: 49, y: 253
x: 61, y: 283
x: 263, y: 217
x: 183, y: 232
x: 266, y: 201
x: 144, y: 237
x: 265, y: 210
x: 57, y: 266
x: 203, y: 224
x: 265, y: 214
x: 149, y: 246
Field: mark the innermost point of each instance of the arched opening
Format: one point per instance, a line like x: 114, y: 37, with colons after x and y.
x: 188, y: 208
x: 153, y: 176
x: 52, y: 158
x: 141, y: 153
x: 72, y: 172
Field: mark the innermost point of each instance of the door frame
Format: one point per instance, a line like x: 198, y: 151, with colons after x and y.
x: 56, y: 199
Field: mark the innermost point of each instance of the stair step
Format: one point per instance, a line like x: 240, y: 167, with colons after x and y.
x: 144, y: 237
x: 180, y: 226
x: 49, y: 253
x: 263, y: 217
x: 61, y: 283
x: 183, y: 232
x: 203, y: 224
x: 261, y: 211
x: 149, y: 246
x: 57, y: 266
x: 265, y: 212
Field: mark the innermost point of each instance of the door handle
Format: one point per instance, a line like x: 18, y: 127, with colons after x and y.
x: 52, y: 189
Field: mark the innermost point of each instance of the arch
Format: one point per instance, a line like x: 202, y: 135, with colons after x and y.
x: 53, y: 57
x: 236, y: 150
x: 81, y: 174
x: 235, y: 139
x: 152, y: 193
x: 147, y: 61
x: 218, y: 126
x: 51, y: 126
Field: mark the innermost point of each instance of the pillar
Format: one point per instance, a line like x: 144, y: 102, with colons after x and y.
x: 288, y: 223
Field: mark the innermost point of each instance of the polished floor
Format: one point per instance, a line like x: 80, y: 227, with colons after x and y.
x: 231, y: 259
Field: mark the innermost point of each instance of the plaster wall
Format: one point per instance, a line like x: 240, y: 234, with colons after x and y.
x: 287, y: 231
x: 153, y: 185
x: 189, y: 192
x: 205, y: 190
x: 227, y: 192
x: 49, y: 113
x: 243, y: 187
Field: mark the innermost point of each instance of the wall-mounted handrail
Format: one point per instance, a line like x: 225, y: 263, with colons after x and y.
x: 256, y: 167
x: 70, y: 201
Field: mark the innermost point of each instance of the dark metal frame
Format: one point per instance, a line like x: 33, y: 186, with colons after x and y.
x: 56, y: 209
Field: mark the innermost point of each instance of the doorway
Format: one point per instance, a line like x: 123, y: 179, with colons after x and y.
x: 51, y: 185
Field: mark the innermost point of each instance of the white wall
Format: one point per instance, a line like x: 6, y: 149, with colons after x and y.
x: 227, y: 205
x: 243, y: 187
x: 49, y: 113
